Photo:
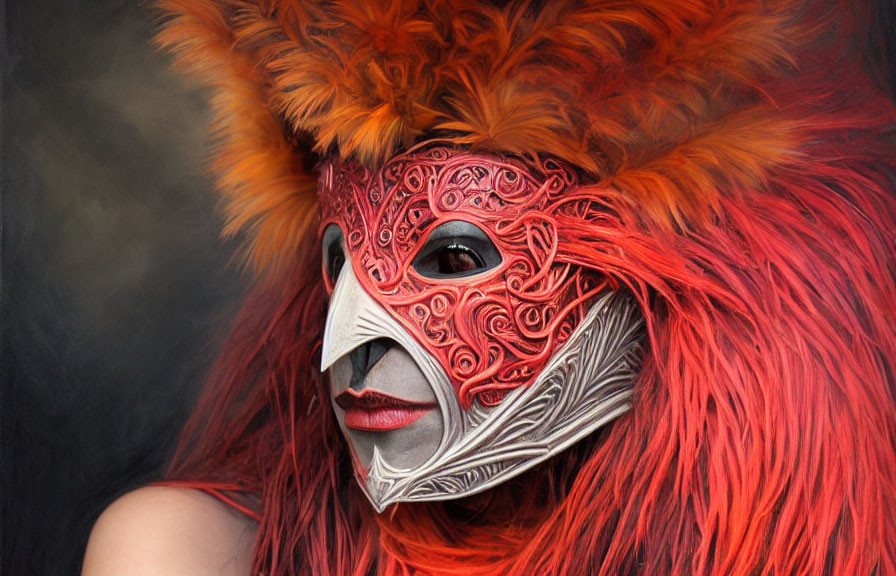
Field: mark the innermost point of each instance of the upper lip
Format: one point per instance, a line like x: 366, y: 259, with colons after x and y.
x: 370, y: 399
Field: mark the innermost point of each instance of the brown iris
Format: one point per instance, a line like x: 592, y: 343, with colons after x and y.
x: 457, y: 259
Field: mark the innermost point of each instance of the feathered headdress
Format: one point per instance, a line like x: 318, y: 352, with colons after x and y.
x: 666, y: 101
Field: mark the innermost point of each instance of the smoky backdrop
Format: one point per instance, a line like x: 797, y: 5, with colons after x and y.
x: 115, y: 284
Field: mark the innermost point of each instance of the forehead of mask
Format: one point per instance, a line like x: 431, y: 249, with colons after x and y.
x: 493, y: 331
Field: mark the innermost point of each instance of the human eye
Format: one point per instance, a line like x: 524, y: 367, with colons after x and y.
x: 456, y: 249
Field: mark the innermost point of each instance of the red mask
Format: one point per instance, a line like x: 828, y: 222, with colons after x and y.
x: 464, y: 250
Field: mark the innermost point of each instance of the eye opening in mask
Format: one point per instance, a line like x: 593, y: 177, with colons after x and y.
x: 333, y: 246
x: 456, y: 249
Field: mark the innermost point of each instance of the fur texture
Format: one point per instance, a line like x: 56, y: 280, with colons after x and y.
x: 741, y: 172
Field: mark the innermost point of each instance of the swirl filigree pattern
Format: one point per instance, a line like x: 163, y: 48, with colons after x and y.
x: 492, y: 332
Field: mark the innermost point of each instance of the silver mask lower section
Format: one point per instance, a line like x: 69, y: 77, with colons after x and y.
x: 587, y: 383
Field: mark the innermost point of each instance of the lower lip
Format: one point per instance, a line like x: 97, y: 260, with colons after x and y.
x: 382, y: 419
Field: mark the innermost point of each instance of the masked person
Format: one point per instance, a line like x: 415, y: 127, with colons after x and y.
x: 542, y: 288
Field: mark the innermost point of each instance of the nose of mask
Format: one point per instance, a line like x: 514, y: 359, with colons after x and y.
x: 365, y: 357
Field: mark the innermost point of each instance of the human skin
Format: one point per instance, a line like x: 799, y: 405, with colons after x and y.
x: 174, y: 531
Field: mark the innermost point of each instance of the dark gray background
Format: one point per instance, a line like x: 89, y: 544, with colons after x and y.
x: 114, y: 282
x: 114, y: 285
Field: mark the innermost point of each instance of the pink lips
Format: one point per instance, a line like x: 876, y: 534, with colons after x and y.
x: 374, y: 411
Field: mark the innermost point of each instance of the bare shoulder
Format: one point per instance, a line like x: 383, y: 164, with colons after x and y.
x: 165, y: 530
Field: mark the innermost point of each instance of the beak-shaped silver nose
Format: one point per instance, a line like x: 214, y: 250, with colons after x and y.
x: 353, y: 319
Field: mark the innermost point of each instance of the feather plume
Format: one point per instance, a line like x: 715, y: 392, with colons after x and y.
x: 619, y: 89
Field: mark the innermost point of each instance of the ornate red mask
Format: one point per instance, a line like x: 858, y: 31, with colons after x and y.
x: 464, y: 251
x: 460, y: 262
